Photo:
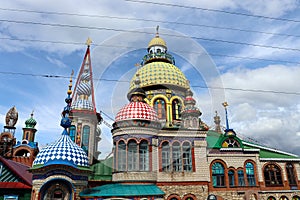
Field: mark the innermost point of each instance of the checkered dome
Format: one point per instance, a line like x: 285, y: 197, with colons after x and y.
x: 62, y: 152
x: 136, y: 110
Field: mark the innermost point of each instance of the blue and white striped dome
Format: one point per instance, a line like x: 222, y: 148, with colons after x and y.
x: 62, y: 152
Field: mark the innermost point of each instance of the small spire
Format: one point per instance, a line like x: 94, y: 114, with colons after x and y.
x: 32, y: 114
x: 88, y: 42
x: 157, y: 33
x: 228, y: 131
x: 66, y: 121
x: 225, y: 104
x: 217, y: 121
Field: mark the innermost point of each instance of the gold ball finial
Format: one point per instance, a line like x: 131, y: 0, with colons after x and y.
x: 70, y: 85
x: 88, y: 42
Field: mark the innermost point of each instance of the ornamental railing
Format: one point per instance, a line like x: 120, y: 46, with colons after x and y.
x: 157, y: 56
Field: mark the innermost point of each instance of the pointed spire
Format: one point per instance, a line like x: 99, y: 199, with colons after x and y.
x: 83, y: 95
x: 157, y: 33
x: 225, y: 104
x: 66, y: 121
x: 228, y: 131
x: 217, y: 121
x: 137, y: 92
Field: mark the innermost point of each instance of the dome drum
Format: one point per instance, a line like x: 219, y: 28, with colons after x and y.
x: 158, y: 57
x: 137, y: 123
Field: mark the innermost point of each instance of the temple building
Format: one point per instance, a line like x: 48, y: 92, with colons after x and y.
x: 162, y: 149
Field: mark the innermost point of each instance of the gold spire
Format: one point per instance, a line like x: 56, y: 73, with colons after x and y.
x: 88, y: 42
x: 70, y: 85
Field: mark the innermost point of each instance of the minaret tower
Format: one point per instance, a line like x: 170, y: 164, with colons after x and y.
x: 84, y: 131
x: 29, y: 130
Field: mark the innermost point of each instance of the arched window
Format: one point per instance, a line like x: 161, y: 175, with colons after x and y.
x: 160, y: 107
x: 144, y: 155
x: 271, y: 198
x: 85, y: 138
x: 121, y: 148
x: 291, y: 173
x: 189, y: 197
x: 241, y: 180
x: 296, y: 198
x: 165, y: 156
x: 272, y: 175
x: 250, y: 174
x: 231, y: 178
x: 72, y: 133
x: 283, y: 198
x: 176, y: 157
x: 176, y: 109
x: 218, y: 176
x: 173, y: 197
x: 27, y: 135
x: 132, y: 156
x: 187, y: 156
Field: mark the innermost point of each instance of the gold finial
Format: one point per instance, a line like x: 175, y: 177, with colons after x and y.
x: 88, y: 42
x: 70, y: 85
x: 225, y: 104
x: 157, y: 34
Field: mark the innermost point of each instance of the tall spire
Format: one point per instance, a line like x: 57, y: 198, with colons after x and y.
x: 228, y: 131
x: 66, y: 121
x: 83, y: 96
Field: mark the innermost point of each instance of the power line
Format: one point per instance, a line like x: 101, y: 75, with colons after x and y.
x: 149, y: 20
x: 144, y: 32
x: 213, y: 10
x: 127, y: 81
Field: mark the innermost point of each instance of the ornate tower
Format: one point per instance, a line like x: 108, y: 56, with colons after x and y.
x: 7, y: 137
x: 84, y: 131
x: 26, y: 150
x: 165, y: 85
x: 60, y: 170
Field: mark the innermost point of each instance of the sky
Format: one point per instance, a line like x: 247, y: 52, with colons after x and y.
x: 244, y: 52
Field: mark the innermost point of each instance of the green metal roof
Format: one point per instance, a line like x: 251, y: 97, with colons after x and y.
x: 123, y: 190
x: 102, y: 171
x: 215, y: 139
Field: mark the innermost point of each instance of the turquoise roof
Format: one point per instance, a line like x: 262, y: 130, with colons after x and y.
x: 123, y: 190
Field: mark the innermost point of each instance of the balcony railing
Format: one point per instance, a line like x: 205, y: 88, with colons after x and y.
x: 158, y: 56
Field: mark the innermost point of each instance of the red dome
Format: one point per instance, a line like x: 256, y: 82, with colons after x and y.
x: 137, y: 110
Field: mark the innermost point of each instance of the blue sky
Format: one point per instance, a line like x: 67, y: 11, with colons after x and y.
x: 242, y: 45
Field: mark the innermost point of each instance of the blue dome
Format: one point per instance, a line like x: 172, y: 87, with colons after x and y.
x: 62, y: 152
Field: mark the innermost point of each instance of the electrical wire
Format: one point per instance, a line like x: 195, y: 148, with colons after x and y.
x: 127, y: 81
x: 213, y: 10
x: 149, y: 20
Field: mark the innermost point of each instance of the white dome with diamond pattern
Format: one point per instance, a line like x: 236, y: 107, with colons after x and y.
x: 62, y: 152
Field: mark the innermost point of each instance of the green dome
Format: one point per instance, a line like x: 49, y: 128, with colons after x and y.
x: 160, y: 73
x: 30, y: 123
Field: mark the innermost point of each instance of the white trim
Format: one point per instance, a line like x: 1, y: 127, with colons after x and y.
x: 231, y: 149
x: 253, y: 150
x: 267, y: 148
